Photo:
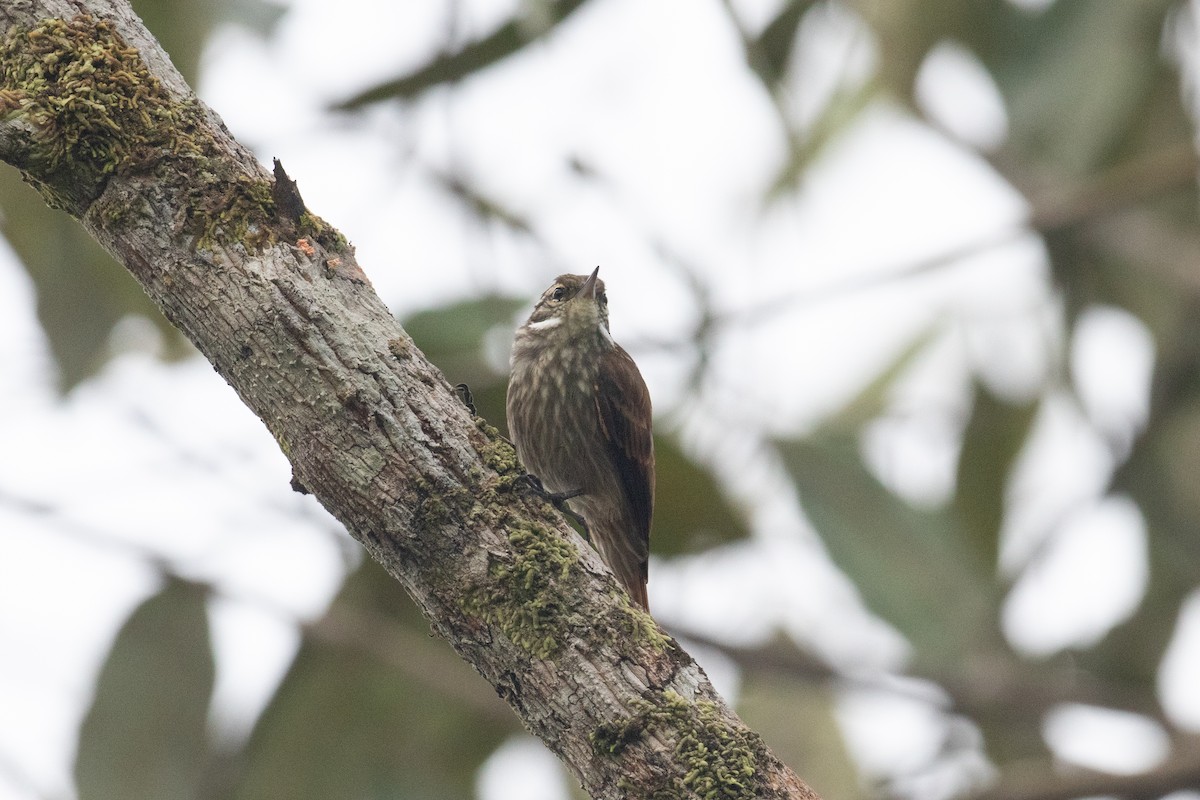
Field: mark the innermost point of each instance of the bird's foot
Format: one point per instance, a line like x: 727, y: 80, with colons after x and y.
x: 464, y: 395
x: 559, y: 500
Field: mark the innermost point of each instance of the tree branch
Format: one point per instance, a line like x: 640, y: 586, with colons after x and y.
x: 96, y: 118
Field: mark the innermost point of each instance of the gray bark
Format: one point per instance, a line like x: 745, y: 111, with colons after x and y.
x: 95, y: 116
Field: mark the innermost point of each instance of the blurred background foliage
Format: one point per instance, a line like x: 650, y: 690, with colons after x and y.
x: 1100, y: 143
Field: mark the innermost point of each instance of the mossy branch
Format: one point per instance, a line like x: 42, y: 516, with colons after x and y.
x: 95, y: 117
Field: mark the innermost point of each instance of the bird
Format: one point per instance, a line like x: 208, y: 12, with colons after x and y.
x: 579, y: 415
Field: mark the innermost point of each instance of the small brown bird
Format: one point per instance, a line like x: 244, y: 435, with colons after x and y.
x: 579, y: 415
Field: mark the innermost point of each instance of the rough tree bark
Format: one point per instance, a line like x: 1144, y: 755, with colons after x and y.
x: 95, y: 116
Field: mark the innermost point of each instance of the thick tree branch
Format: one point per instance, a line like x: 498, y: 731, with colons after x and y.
x: 96, y: 118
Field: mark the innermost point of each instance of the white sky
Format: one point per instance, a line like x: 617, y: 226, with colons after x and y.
x: 686, y: 143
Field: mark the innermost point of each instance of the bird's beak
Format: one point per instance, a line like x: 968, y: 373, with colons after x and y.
x: 589, y: 286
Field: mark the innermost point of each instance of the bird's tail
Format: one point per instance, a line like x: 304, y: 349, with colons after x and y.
x: 627, y: 564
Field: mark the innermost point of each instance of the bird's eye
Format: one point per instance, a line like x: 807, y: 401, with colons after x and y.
x: 559, y: 293
x: 604, y: 298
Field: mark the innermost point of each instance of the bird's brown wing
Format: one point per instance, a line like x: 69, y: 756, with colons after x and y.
x: 623, y: 404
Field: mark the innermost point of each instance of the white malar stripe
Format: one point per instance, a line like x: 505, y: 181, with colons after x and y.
x: 545, y: 324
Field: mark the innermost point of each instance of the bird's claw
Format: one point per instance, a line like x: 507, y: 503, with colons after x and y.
x: 559, y: 500
x: 466, y: 398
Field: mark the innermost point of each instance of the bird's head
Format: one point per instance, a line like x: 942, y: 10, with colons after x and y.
x: 573, y: 307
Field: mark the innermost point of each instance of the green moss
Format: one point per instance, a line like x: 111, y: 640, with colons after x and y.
x: 612, y: 738
x: 323, y: 233
x: 523, y: 599
x: 96, y: 111
x: 633, y: 622
x: 236, y: 208
x: 90, y: 99
x: 497, y: 453
x: 721, y: 762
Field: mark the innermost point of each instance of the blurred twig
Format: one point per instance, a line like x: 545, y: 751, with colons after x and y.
x: 488, y: 209
x: 1125, y: 185
x: 1180, y: 771
x: 1120, y: 188
x: 1008, y: 683
x: 512, y: 37
x: 157, y: 561
x: 781, y: 658
x: 1036, y: 688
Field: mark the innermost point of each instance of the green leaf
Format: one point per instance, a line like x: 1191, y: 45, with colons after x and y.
x: 873, y: 399
x: 770, y: 52
x: 912, y: 566
x: 373, y: 706
x: 994, y: 436
x: 183, y: 27
x: 453, y: 336
x: 837, y: 115
x: 1160, y: 477
x: 1067, y: 107
x: 144, y: 737
x: 81, y: 291
x: 691, y: 511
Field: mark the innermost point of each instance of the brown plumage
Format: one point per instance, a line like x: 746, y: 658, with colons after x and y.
x: 579, y: 415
